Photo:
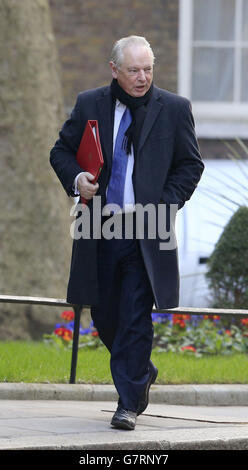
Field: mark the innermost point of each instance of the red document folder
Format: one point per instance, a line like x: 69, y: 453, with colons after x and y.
x: 89, y: 154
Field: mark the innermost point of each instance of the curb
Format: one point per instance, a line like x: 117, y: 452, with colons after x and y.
x: 227, y: 443
x: 202, y: 395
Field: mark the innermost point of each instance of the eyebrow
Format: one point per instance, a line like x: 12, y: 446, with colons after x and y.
x: 136, y: 67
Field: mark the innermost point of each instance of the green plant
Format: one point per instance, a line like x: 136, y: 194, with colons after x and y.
x: 228, y: 268
x: 176, y: 333
x: 62, y: 334
x: 201, y: 336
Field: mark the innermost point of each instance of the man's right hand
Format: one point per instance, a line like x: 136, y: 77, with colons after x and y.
x: 86, y: 189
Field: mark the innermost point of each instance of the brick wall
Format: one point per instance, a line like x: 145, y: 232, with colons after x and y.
x: 86, y: 30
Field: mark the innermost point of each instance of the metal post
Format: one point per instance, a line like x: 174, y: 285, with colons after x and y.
x: 77, y: 311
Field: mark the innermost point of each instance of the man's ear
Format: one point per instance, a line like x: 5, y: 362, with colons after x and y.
x: 113, y: 69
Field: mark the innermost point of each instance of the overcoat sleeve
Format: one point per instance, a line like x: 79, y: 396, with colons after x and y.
x: 63, y: 154
x: 187, y: 165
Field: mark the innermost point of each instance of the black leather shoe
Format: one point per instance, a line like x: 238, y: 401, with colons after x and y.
x: 124, y: 419
x: 143, y: 403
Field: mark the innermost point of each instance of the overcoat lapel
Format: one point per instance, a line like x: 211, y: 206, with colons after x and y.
x: 104, y: 108
x: 153, y: 109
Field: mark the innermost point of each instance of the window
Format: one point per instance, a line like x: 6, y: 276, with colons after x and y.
x: 213, y: 65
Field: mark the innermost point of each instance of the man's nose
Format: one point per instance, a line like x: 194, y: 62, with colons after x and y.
x: 142, y: 76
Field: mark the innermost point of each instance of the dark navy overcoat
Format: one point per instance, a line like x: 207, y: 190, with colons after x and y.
x: 167, y: 168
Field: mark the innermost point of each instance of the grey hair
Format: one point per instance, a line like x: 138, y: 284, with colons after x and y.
x: 121, y: 44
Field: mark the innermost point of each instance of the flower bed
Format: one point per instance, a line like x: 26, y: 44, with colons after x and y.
x: 63, y: 333
x: 200, y: 334
x: 188, y: 334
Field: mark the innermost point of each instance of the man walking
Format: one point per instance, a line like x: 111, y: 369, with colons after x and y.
x: 151, y: 156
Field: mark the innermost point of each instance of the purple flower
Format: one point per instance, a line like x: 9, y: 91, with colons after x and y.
x: 159, y: 317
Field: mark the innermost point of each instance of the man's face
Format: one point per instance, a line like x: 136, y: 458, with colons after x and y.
x: 136, y: 72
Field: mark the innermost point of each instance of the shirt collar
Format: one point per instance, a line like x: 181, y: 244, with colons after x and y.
x: 118, y: 104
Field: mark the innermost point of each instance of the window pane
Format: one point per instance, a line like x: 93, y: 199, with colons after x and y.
x: 212, y: 74
x: 245, y: 20
x: 244, y: 86
x: 214, y: 20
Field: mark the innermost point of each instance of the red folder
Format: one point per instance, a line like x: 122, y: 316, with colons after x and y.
x: 89, y: 154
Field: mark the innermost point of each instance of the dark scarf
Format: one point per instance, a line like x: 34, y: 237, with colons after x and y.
x: 137, y: 108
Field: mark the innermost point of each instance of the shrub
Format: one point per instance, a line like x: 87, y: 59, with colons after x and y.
x: 228, y: 264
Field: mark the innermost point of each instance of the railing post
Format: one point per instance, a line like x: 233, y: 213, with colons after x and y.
x: 77, y: 310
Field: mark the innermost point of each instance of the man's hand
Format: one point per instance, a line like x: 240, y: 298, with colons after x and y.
x: 85, y: 187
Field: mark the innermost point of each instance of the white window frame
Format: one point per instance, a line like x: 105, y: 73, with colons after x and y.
x: 213, y: 119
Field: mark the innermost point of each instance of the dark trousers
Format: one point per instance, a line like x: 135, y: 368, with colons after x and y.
x: 123, y: 316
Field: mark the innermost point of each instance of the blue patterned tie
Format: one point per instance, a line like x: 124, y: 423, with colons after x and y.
x: 115, y: 192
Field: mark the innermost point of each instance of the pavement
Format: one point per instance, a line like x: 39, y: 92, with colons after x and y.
x: 77, y: 417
